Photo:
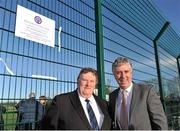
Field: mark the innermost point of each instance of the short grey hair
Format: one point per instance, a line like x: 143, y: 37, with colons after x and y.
x: 32, y: 95
x: 120, y: 61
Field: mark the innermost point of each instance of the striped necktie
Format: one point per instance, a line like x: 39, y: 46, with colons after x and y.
x: 124, y: 112
x: 92, y: 117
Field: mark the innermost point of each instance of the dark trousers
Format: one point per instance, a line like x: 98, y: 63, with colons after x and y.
x: 1, y: 125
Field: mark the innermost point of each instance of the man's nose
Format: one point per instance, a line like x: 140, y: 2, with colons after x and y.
x: 88, y: 82
x: 122, y: 75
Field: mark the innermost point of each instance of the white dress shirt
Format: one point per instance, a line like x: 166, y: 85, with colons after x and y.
x: 97, y: 111
x: 119, y: 101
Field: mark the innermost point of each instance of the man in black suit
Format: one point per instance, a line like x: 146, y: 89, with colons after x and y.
x: 133, y: 106
x: 69, y: 111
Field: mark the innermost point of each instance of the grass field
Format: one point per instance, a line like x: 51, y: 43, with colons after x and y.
x: 10, y: 118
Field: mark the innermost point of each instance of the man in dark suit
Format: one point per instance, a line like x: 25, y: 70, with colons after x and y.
x: 72, y: 110
x: 133, y: 106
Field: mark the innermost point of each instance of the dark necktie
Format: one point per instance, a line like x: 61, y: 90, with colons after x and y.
x: 92, y: 117
x: 124, y: 111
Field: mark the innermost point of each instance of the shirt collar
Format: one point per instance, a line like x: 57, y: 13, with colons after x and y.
x: 91, y: 99
x: 129, y: 89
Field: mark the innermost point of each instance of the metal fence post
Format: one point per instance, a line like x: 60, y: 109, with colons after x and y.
x: 155, y: 41
x: 178, y: 66
x: 99, y: 49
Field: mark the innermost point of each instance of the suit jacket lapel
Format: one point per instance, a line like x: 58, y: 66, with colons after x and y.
x: 135, y: 95
x: 78, y: 107
x: 114, y: 107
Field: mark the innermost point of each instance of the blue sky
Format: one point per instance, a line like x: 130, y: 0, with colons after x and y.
x: 171, y: 10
